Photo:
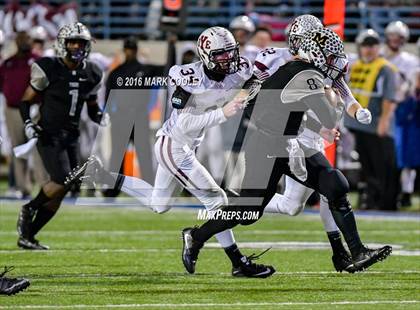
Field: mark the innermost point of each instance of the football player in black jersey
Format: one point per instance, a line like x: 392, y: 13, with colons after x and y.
x: 276, y: 116
x: 63, y: 84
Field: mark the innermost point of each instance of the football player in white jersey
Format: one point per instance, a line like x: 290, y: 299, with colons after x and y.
x: 397, y: 34
x: 293, y: 201
x: 203, y: 94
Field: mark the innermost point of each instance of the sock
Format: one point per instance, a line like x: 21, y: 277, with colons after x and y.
x: 335, y: 241
x: 210, y: 228
x: 38, y: 201
x: 234, y: 255
x: 43, y: 216
x: 344, y: 218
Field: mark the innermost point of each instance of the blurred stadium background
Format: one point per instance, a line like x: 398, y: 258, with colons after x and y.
x: 123, y: 257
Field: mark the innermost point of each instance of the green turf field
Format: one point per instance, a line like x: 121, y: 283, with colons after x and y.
x: 112, y: 257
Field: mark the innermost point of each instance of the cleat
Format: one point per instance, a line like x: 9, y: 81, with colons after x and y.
x: 367, y: 257
x: 190, y: 250
x: 343, y: 262
x: 88, y: 169
x: 31, y: 244
x: 11, y: 286
x: 24, y: 222
x: 249, y: 269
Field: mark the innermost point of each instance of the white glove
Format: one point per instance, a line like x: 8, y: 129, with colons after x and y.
x: 363, y: 116
x: 105, y: 121
x: 32, y: 130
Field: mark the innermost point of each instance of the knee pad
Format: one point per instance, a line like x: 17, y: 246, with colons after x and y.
x: 333, y: 184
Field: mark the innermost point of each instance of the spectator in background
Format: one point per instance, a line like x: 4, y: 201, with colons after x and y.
x: 14, y: 79
x: 397, y: 34
x: 242, y: 28
x: 262, y: 37
x: 407, y: 137
x: 372, y: 81
x: 131, y: 68
x: 39, y: 37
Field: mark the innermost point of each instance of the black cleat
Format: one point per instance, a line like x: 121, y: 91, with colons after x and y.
x: 11, y: 286
x: 24, y: 222
x: 343, y: 262
x: 249, y: 269
x: 190, y: 250
x: 31, y: 244
x: 367, y: 257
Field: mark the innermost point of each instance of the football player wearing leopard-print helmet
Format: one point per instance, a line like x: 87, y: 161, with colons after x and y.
x: 324, y: 48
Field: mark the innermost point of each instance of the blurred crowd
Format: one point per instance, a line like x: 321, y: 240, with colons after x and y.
x: 382, y: 75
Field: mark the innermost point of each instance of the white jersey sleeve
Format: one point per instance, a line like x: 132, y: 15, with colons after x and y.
x: 39, y: 79
x: 269, y: 60
x: 189, y: 122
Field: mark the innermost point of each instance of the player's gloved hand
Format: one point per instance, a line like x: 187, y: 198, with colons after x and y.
x: 32, y: 130
x: 363, y: 116
x: 231, y: 108
x: 105, y: 121
x: 329, y: 134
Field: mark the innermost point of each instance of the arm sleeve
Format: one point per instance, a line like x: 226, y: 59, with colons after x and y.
x: 344, y: 92
x: 24, y: 109
x: 319, y: 104
x: 97, y: 75
x: 94, y: 112
x: 190, y: 122
x: 39, y: 80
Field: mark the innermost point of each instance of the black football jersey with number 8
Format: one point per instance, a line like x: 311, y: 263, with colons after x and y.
x: 278, y: 108
x: 63, y: 91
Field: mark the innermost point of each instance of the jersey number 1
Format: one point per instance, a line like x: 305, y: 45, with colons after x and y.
x: 74, y: 93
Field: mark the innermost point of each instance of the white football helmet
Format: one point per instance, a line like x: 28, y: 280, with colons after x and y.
x: 368, y: 36
x: 242, y: 22
x: 38, y: 33
x: 218, y: 50
x: 324, y: 49
x: 297, y: 29
x: 74, y: 31
x: 399, y: 28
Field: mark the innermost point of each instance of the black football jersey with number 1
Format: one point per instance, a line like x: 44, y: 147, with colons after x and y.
x: 63, y: 91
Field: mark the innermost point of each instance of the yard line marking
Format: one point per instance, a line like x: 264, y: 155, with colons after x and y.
x: 250, y: 304
x: 276, y: 246
x: 175, y: 232
x: 184, y: 274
